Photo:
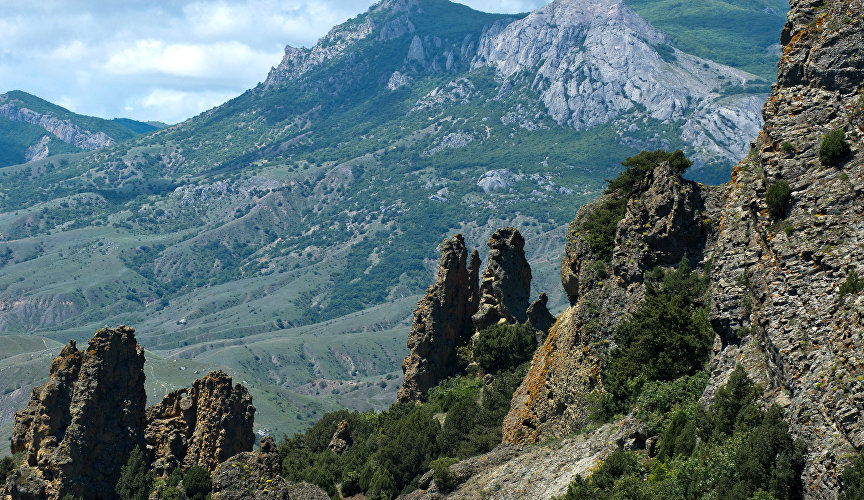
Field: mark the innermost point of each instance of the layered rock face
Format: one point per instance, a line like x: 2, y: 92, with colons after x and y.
x: 203, y: 425
x: 776, y: 282
x: 506, y: 285
x: 442, y: 321
x: 64, y: 130
x: 80, y: 427
x: 659, y: 227
x: 776, y: 277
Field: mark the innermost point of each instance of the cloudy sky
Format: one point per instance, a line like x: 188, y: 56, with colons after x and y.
x: 163, y: 60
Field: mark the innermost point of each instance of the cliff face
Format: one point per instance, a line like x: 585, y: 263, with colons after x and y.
x: 203, y: 425
x: 442, y: 321
x: 777, y: 282
x: 80, y: 427
x: 64, y: 130
x: 658, y: 228
x: 776, y: 304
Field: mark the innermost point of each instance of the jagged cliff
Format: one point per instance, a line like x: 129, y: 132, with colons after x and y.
x: 202, y: 425
x: 777, y: 278
x: 442, y: 322
x: 80, y: 427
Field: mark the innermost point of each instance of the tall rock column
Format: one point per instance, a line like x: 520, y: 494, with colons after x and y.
x: 80, y: 427
x: 506, y: 285
x: 442, y: 321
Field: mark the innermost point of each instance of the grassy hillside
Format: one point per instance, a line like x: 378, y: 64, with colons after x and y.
x: 744, y: 34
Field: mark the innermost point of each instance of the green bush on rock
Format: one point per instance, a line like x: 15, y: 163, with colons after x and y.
x: 504, y: 347
x: 777, y: 197
x: 834, y: 147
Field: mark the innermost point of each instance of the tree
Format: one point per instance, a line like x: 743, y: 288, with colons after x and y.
x: 136, y: 480
x: 777, y: 197
x: 196, y: 483
x: 502, y: 347
x: 834, y: 147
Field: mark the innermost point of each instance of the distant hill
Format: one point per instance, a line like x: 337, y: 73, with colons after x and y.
x: 33, y: 129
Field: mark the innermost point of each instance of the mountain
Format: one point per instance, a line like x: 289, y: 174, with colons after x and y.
x: 287, y: 234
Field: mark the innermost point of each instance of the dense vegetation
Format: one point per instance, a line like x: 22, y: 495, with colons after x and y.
x: 732, y: 449
x: 668, y: 337
x: 504, y: 347
x: 137, y: 481
x: 390, y: 450
x: 777, y: 197
x: 739, y: 33
x: 834, y: 147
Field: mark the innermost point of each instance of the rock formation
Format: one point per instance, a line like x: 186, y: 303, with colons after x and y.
x: 80, y: 427
x: 776, y: 282
x: 256, y: 475
x: 442, y: 322
x: 202, y: 425
x: 776, y: 279
x: 539, y: 316
x: 64, y: 130
x: 341, y: 440
x: 658, y: 228
x: 506, y: 285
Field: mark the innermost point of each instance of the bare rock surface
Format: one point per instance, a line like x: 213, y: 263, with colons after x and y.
x: 202, y: 425
x: 533, y: 471
x: 80, y: 427
x: 64, y: 130
x: 442, y: 321
x: 255, y: 475
x: 506, y: 284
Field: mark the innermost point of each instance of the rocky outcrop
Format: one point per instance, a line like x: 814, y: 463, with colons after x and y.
x: 538, y: 314
x: 80, y: 427
x: 202, y: 425
x: 519, y: 471
x: 442, y: 322
x: 591, y: 62
x: 341, y: 440
x: 506, y: 285
x: 64, y: 130
x: 257, y: 475
x: 775, y: 300
x: 671, y: 217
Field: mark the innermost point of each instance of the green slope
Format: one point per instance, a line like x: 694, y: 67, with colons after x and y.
x: 743, y: 34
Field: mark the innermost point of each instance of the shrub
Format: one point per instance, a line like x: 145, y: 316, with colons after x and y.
x: 834, y: 147
x: 852, y: 480
x: 667, y: 337
x: 787, y: 147
x: 777, y: 197
x: 503, y: 347
x: 852, y: 286
x: 7, y: 465
x: 136, y: 480
x: 196, y: 482
x: 442, y: 474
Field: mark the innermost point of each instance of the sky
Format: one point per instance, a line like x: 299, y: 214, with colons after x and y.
x: 163, y: 60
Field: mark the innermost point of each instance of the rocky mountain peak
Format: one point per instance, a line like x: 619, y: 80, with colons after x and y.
x: 505, y: 288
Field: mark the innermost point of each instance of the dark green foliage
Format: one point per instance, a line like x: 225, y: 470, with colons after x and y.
x: 834, y: 147
x: 730, y: 450
x: 668, y: 337
x: 852, y: 286
x: 136, y: 480
x: 787, y: 147
x: 777, y: 197
x: 599, y: 227
x: 196, y: 483
x: 637, y: 168
x: 605, y: 483
x: 504, y: 347
x: 7, y: 465
x: 391, y: 449
x: 852, y: 480
x: 442, y: 474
